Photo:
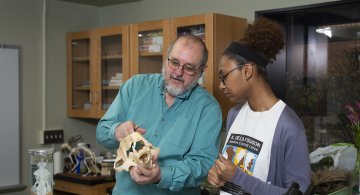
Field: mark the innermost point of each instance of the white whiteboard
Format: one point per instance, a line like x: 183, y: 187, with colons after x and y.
x: 9, y: 118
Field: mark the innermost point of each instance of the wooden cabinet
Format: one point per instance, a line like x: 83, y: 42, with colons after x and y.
x: 98, y: 57
x: 83, y: 185
x: 98, y: 62
x: 62, y: 187
x: 218, y: 31
x: 149, y: 43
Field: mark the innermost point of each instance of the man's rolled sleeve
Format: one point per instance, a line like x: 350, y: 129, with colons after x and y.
x: 166, y: 178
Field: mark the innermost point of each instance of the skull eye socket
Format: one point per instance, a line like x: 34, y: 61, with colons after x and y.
x: 119, y: 163
x: 129, y: 150
x: 139, y: 145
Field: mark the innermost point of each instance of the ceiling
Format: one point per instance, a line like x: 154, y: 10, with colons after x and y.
x: 100, y: 3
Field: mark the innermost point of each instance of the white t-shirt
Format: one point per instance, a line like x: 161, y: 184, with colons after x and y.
x: 249, y: 141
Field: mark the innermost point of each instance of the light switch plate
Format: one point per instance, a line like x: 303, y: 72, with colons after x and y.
x: 54, y: 136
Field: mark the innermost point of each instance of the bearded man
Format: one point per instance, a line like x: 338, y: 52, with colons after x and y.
x: 176, y: 115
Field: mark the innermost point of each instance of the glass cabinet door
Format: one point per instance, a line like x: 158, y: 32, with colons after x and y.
x: 79, y: 67
x: 201, y: 26
x: 111, y: 68
x: 113, y: 65
x: 150, y: 51
x: 149, y: 42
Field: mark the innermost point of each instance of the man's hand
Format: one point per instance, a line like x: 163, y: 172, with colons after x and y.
x: 143, y: 175
x: 127, y: 128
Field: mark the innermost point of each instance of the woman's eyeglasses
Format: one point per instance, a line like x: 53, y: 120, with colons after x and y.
x: 223, y: 77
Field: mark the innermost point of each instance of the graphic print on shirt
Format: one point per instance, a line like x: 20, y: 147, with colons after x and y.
x: 243, y: 151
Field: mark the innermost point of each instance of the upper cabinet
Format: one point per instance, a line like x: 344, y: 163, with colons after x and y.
x: 100, y: 60
x: 98, y: 63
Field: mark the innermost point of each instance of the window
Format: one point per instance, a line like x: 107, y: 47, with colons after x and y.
x: 318, y: 72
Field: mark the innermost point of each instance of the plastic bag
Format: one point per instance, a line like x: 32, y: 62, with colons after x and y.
x: 343, y: 154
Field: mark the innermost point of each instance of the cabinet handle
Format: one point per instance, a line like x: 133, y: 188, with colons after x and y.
x: 95, y: 97
x: 91, y: 98
x: 99, y: 107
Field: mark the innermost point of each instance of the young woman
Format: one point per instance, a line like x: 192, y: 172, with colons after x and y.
x: 266, y: 148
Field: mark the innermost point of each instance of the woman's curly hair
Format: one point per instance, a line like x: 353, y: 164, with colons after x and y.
x: 265, y: 37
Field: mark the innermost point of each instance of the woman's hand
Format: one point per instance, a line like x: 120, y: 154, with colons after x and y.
x: 222, y: 171
x: 225, y: 169
x: 213, y: 177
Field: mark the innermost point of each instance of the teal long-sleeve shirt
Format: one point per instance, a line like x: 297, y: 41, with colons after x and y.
x: 187, y: 134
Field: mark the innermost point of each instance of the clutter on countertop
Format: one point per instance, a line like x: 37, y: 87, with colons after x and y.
x: 78, y: 158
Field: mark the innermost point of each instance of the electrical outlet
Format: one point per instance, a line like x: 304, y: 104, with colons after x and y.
x: 53, y: 136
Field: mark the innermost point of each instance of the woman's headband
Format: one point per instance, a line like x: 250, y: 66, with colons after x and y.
x: 241, y: 50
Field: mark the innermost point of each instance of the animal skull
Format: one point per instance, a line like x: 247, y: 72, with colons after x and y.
x: 134, y: 150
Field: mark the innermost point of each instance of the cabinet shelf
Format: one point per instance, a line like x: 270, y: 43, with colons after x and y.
x: 81, y: 59
x: 145, y: 54
x: 112, y: 57
x: 82, y: 88
x: 110, y: 87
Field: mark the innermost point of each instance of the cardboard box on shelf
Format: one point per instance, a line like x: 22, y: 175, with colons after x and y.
x: 115, y: 82
x: 150, y: 48
x: 152, y: 40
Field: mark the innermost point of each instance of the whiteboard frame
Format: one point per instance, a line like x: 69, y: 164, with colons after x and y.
x: 19, y: 186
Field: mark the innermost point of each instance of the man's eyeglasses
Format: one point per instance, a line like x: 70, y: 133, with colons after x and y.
x: 188, y: 68
x: 223, y: 77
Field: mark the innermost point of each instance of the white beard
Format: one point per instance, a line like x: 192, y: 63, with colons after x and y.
x: 174, y: 91
x: 177, y: 91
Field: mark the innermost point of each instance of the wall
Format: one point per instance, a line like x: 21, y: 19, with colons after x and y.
x: 63, y: 17
x: 21, y: 23
x: 145, y: 10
